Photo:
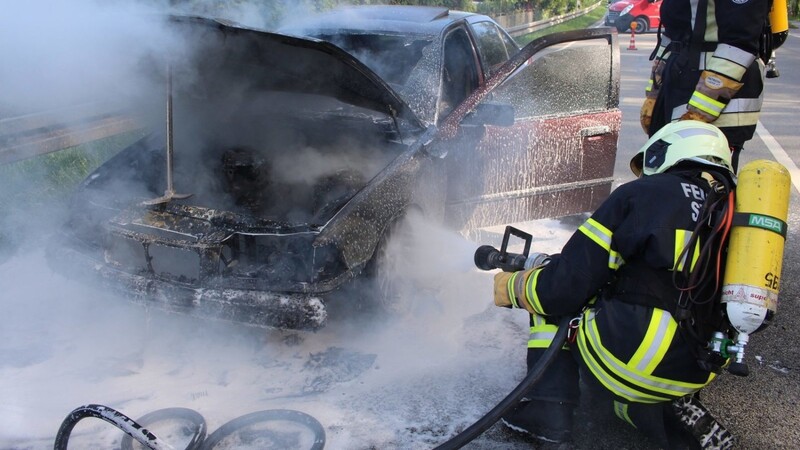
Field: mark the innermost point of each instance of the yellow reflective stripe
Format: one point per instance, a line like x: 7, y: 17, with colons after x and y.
x: 744, y: 105
x: 621, y: 410
x: 656, y: 342
x: 595, y: 231
x: 706, y: 104
x: 712, y: 29
x: 681, y: 241
x: 542, y: 335
x: 738, y: 112
x: 661, y: 51
x: 733, y: 54
x: 530, y: 292
x: 682, y: 238
x: 670, y: 388
x: 728, y: 69
x: 730, y: 61
x: 610, y: 383
x: 615, y: 260
x: 510, y: 289
x: 736, y: 119
x: 602, y: 236
x: 649, y: 86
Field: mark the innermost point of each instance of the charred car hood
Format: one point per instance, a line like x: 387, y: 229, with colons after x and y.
x: 296, y: 64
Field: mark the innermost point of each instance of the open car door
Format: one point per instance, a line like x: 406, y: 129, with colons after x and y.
x: 554, y: 156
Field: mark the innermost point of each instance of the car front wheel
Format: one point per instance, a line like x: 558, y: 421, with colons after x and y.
x: 642, y: 25
x: 386, y: 271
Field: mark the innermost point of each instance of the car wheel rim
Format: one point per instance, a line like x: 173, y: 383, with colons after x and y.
x: 641, y: 25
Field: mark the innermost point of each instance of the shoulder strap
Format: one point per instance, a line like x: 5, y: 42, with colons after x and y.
x: 698, y: 31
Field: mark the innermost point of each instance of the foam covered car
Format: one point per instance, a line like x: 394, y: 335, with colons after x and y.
x: 300, y: 152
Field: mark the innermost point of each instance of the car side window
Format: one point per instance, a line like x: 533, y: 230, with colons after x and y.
x: 491, y: 45
x: 459, y: 71
x: 563, y: 79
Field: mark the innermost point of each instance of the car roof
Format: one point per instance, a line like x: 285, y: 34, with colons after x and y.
x: 429, y: 20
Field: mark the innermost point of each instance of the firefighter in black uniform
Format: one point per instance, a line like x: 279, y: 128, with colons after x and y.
x: 708, y: 66
x: 624, y: 276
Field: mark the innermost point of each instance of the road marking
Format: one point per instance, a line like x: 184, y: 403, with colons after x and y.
x: 779, y: 153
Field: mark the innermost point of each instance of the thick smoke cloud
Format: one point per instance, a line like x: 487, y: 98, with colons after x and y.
x: 59, y: 54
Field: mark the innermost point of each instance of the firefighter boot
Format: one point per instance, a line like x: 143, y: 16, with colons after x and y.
x: 698, y: 421
x: 546, y: 411
x: 543, y: 420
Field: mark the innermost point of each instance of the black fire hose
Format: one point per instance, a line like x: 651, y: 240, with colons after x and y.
x: 511, y: 400
x: 112, y: 416
x: 265, y: 416
x: 191, y: 416
x: 149, y: 440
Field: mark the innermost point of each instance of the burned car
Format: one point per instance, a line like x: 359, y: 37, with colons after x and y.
x: 289, y: 158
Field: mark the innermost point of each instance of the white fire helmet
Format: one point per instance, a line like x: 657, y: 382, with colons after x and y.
x: 685, y: 140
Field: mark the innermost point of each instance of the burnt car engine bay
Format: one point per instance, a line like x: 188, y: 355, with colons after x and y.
x: 262, y: 205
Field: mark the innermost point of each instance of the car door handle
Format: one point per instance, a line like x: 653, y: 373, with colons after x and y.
x: 595, y: 131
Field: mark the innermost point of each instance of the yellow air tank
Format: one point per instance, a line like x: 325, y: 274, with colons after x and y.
x: 755, y: 250
x: 779, y: 22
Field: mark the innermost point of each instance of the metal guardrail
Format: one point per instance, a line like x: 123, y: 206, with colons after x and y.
x: 37, y: 134
x: 531, y: 27
x: 45, y: 132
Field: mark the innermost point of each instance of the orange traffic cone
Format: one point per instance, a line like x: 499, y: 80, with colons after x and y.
x: 632, y: 45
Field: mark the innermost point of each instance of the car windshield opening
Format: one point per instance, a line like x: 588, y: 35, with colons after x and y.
x: 391, y: 57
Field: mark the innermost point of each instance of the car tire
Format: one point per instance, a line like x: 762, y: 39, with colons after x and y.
x: 642, y: 25
x: 383, y: 272
x: 375, y: 293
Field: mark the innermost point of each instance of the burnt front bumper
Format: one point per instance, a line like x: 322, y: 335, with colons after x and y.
x: 300, y: 311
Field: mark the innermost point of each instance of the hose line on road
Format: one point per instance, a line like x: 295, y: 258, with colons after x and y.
x: 513, y: 398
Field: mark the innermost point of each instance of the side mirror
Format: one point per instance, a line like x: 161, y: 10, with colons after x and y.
x: 491, y: 113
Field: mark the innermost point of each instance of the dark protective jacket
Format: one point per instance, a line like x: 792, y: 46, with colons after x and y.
x: 728, y: 39
x: 624, y: 255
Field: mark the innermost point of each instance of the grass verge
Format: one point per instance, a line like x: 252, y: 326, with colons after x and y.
x: 51, y: 177
x: 578, y: 23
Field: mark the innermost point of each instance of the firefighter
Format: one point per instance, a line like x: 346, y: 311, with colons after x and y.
x: 625, y: 276
x: 708, y: 65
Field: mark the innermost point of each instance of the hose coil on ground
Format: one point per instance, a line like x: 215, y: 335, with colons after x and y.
x: 136, y: 430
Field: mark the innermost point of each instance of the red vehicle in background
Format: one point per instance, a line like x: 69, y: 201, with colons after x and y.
x: 646, y: 14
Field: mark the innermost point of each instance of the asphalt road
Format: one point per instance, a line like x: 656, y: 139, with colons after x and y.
x: 762, y: 409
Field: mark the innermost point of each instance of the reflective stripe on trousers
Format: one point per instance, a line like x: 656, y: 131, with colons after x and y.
x: 633, y: 380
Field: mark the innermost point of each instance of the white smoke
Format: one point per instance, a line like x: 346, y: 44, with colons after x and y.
x: 59, y: 54
x: 64, y: 344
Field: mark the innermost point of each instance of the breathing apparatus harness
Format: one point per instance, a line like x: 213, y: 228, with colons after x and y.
x: 699, y: 279
x: 697, y: 275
